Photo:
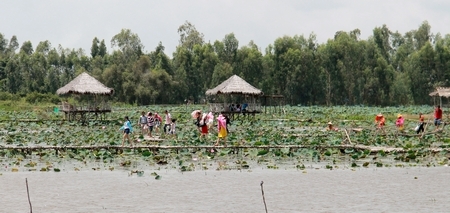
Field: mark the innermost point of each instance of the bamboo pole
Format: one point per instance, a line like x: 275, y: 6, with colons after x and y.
x: 264, y: 199
x: 28, y: 193
x: 348, y: 137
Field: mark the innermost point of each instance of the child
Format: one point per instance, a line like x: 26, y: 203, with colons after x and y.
x: 198, y: 120
x: 420, y: 128
x: 143, y: 122
x: 227, y: 122
x: 167, y: 121
x: 127, y: 129
x: 158, y: 121
x: 172, y: 126
x: 150, y: 123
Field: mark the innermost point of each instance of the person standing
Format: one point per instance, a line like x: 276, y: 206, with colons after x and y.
x: 158, y: 121
x: 380, y: 121
x: 437, y: 116
x: 222, y: 129
x: 127, y: 129
x: 167, y: 121
x: 227, y: 122
x: 198, y: 119
x: 143, y: 122
x: 150, y: 123
x: 421, y: 123
x: 399, y: 122
x: 203, y: 125
x: 173, y: 126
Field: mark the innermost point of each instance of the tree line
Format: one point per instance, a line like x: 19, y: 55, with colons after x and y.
x: 389, y: 68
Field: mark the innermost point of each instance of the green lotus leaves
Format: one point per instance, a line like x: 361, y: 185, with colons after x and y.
x: 304, y: 126
x: 262, y: 152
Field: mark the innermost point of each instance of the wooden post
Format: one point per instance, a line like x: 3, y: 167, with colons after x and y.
x: 264, y: 199
x: 28, y: 194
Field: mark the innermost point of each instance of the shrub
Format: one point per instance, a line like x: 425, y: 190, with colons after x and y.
x: 35, y: 97
x: 6, y: 96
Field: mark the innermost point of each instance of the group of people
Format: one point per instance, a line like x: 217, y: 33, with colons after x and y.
x: 204, y: 121
x: 380, y: 120
x: 149, y: 122
x: 238, y: 107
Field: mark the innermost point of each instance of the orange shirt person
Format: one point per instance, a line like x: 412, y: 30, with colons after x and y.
x: 420, y: 127
x: 380, y: 120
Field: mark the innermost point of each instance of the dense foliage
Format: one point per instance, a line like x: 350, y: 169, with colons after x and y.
x: 386, y: 69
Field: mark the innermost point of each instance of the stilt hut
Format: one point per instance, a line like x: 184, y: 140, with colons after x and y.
x: 238, y: 97
x: 438, y: 94
x: 92, y: 96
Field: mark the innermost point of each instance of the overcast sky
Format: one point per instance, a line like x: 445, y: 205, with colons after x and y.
x: 74, y: 24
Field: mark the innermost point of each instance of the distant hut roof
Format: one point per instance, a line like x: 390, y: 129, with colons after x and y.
x: 234, y: 85
x: 441, y: 92
x: 85, y: 84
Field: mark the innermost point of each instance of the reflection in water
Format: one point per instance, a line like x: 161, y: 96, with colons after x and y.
x: 286, y: 190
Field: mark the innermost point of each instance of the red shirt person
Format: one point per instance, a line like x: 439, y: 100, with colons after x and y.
x: 437, y: 116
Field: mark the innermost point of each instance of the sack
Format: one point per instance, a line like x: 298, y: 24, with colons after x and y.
x: 417, y: 128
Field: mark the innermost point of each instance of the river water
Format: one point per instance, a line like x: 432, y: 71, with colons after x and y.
x: 413, y: 189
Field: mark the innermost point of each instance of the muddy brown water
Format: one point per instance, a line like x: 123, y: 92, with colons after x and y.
x: 414, y: 189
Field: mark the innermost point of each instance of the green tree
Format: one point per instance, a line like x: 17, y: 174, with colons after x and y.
x: 420, y: 68
x: 159, y: 60
x: 204, y: 61
x: 189, y: 36
x: 112, y: 77
x: 13, y: 46
x: 129, y: 44
x: 222, y: 72
x: 43, y: 47
x: 102, y: 49
x: 14, y: 78
x: 27, y: 48
x: 249, y: 64
x: 95, y: 48
x: 422, y: 35
x: 3, y: 43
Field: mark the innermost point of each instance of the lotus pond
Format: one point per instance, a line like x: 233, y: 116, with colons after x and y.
x: 295, y: 125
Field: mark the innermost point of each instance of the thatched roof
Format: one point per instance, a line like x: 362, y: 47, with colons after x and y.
x: 234, y: 85
x: 441, y: 92
x: 85, y: 84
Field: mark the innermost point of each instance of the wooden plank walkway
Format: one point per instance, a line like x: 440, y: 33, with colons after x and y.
x: 372, y: 149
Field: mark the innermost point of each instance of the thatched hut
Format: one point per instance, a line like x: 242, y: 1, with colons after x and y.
x: 85, y: 85
x: 235, y: 85
x: 440, y: 92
